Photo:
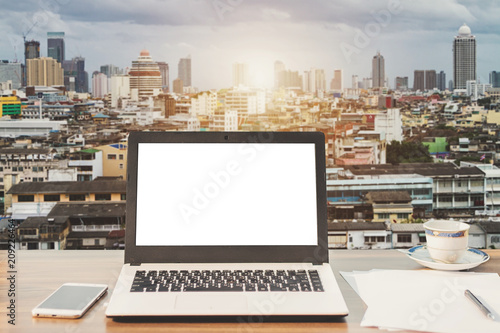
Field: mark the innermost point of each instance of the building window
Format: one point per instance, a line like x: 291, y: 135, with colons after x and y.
x: 403, y: 215
x: 77, y: 197
x: 14, y: 168
x: 422, y: 239
x: 123, y: 196
x: 96, y: 241
x: 121, y: 165
x: 383, y: 215
x: 25, y: 198
x: 120, y: 156
x: 52, y: 197
x: 374, y: 239
x: 111, y: 156
x: 404, y: 238
x: 103, y: 196
x: 495, y: 239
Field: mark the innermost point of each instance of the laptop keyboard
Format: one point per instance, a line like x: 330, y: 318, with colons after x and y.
x: 227, y: 280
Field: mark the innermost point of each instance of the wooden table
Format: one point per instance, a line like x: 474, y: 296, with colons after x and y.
x: 41, y: 272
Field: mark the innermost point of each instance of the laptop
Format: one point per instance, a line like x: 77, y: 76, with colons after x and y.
x: 226, y: 224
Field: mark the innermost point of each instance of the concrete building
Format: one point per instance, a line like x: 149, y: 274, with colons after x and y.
x: 165, y: 75
x: 245, y: 101
x: 419, y: 80
x: 11, y: 72
x: 99, y: 85
x: 145, y: 77
x: 464, y: 57
x: 358, y: 235
x: 184, y: 71
x: 495, y: 79
x: 44, y: 72
x: 88, y: 163
x: 178, y: 86
x: 75, y: 77
x: 389, y: 122
x: 378, y: 71
x: 401, y: 83
x: 120, y: 89
x: 240, y: 75
x: 114, y: 161
x: 336, y: 83
x: 441, y: 81
x: 55, y: 46
x: 407, y: 235
x: 10, y: 106
x: 204, y: 103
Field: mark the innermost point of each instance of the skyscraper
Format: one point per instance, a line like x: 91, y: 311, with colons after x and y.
x: 145, y: 76
x: 111, y: 70
x: 99, y: 85
x: 279, y: 67
x: 464, y: 57
x: 430, y: 79
x: 378, y: 71
x: 240, y: 74
x: 495, y: 79
x: 75, y: 76
x: 441, y: 81
x: 184, y: 71
x: 164, y: 71
x: 336, y: 83
x: 11, y: 71
x: 419, y: 80
x: 44, y: 72
x: 55, y: 46
x: 401, y: 83
x: 355, y: 82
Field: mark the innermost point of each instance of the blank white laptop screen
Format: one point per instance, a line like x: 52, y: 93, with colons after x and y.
x: 204, y: 194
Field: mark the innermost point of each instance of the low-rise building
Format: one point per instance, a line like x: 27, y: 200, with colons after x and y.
x: 358, y: 235
x: 407, y: 235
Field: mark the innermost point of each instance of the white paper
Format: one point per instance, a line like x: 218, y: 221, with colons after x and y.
x: 425, y: 300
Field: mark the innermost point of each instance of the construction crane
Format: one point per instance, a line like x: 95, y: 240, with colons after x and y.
x: 24, y: 39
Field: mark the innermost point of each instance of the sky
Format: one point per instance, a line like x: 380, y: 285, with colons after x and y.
x: 303, y: 34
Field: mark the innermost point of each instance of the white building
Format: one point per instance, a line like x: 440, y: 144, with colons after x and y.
x: 205, y: 103
x: 99, y: 85
x: 240, y: 74
x: 390, y: 123
x: 120, y: 88
x: 476, y: 90
x: 246, y: 101
x: 464, y: 57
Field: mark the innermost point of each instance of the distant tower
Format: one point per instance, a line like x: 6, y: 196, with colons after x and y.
x: 164, y: 75
x: 441, y: 81
x: 279, y: 67
x: 55, y: 46
x: 240, y: 74
x: 464, y: 57
x: 378, y: 71
x: 184, y: 71
x: 145, y: 76
x: 336, y: 83
x: 419, y: 80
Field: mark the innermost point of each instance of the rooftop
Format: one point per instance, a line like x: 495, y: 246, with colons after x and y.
x: 88, y: 209
x: 69, y: 187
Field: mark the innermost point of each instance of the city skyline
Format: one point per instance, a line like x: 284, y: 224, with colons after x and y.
x: 328, y: 35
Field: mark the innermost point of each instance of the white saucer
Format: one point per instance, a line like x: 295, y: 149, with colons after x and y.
x: 472, y: 258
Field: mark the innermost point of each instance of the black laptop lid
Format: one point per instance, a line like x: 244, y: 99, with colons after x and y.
x: 226, y: 197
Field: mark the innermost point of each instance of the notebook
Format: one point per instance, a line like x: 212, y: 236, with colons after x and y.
x: 226, y: 224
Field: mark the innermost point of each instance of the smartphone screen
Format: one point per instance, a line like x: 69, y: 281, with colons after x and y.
x: 71, y: 300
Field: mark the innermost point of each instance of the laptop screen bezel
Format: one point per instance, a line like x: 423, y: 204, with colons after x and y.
x: 135, y: 254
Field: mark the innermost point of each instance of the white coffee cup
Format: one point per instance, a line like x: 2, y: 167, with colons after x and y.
x: 446, y: 240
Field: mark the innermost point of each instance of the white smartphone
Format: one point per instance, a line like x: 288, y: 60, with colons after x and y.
x: 71, y: 300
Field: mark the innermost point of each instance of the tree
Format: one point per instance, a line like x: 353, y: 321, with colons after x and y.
x: 407, y: 152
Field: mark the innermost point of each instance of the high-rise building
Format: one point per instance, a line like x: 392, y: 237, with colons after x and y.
x: 110, y: 70
x: 320, y: 78
x: 11, y: 71
x: 75, y: 76
x: 55, y: 46
x: 430, y: 79
x: 378, y: 71
x: 441, y: 81
x: 145, y: 77
x: 495, y: 79
x: 240, y: 74
x: 184, y: 71
x: 309, y: 81
x: 355, y: 82
x: 120, y: 89
x: 31, y: 49
x: 178, y: 86
x: 419, y: 80
x: 336, y: 83
x: 289, y: 79
x: 279, y: 67
x: 44, y: 72
x: 464, y: 57
x: 99, y: 85
x: 164, y: 71
x: 401, y: 83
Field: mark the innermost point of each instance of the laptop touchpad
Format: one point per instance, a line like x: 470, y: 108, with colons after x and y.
x: 203, y: 302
